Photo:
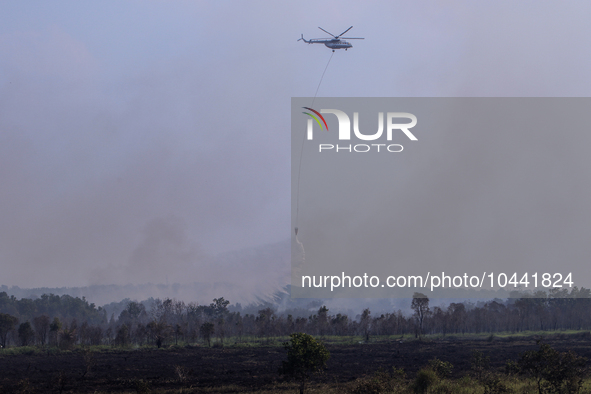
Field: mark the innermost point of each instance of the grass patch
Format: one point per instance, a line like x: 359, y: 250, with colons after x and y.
x: 21, y: 351
x: 330, y: 340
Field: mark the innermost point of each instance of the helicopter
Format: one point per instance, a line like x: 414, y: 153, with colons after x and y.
x: 337, y: 42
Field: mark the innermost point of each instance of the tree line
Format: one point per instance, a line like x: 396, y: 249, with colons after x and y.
x: 66, y: 321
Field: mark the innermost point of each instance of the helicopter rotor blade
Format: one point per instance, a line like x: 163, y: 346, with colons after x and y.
x: 328, y: 32
x: 352, y: 38
x: 344, y: 32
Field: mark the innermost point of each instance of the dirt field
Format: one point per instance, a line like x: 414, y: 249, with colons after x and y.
x: 246, y: 368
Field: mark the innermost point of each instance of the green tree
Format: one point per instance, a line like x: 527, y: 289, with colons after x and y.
x: 159, y: 331
x: 305, y: 356
x: 25, y: 333
x: 7, y: 323
x: 219, y: 307
x: 135, y: 309
x: 122, y: 337
x: 54, y: 329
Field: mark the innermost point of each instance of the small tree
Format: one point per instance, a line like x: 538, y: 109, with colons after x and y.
x: 305, y: 356
x: 479, y: 363
x: 68, y: 335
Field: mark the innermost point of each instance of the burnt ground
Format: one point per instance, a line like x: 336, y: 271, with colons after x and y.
x: 249, y: 368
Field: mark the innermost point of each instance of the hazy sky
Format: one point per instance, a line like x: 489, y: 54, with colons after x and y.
x: 142, y: 135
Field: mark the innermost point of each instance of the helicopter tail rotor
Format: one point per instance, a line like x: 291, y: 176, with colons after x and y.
x: 303, y: 39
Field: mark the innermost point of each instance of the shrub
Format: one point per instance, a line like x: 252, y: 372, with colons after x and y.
x: 511, y: 367
x: 426, y: 378
x: 368, y: 386
x: 398, y: 373
x: 381, y: 382
x: 494, y: 385
x: 553, y: 370
x: 141, y: 386
x: 442, y: 368
x: 444, y: 387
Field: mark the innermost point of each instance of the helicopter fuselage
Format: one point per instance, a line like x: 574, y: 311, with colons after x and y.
x: 338, y: 44
x: 332, y: 44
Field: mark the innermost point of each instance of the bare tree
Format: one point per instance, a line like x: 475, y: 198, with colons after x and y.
x: 206, y: 330
x: 323, y: 320
x: 420, y: 304
x: 41, y: 324
x: 364, y: 323
x: 265, y: 321
x: 7, y: 323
